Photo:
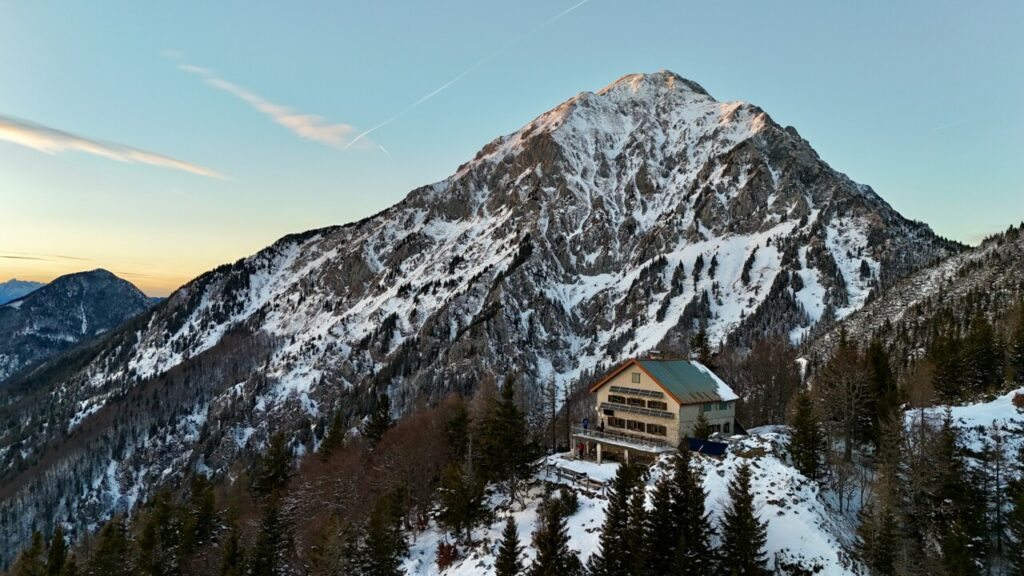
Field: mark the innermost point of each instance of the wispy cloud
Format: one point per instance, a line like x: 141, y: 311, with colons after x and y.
x: 467, y: 71
x: 307, y: 126
x: 53, y: 141
x: 43, y: 257
x: 13, y: 257
x: 947, y: 125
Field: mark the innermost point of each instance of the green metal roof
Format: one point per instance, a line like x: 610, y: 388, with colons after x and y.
x: 689, y: 381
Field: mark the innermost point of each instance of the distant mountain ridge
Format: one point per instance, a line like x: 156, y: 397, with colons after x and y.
x: 14, y: 289
x: 987, y: 279
x: 59, y: 315
x: 617, y: 222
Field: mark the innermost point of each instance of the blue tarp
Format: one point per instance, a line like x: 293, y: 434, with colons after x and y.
x: 707, y: 446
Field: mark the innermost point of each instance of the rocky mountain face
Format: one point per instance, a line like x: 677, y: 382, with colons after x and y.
x: 986, y: 280
x: 620, y: 221
x: 55, y: 317
x: 14, y: 289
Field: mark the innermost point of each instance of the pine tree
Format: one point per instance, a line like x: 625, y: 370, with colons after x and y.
x: 507, y: 453
x: 335, y: 436
x: 384, y: 545
x: 1015, y: 520
x: 461, y: 499
x: 200, y: 514
x: 112, y: 554
x: 615, y: 557
x: 915, y: 499
x: 232, y: 561
x: 379, y: 421
x: 634, y: 529
x: 878, y: 535
x: 677, y: 531
x: 30, y: 562
x: 509, y: 561
x: 694, y: 555
x: 844, y: 392
x: 271, y: 552
x: 878, y: 539
x: 807, y: 443
x: 883, y: 400
x: 983, y: 358
x: 743, y: 535
x: 948, y: 378
x: 701, y: 428
x: 1015, y: 348
x: 991, y: 476
x: 160, y: 541
x: 57, y: 556
x: 661, y: 527
x: 701, y: 347
x: 956, y: 518
x: 334, y: 550
x: 551, y: 541
x: 274, y: 468
x: 457, y: 432
x: 70, y: 566
x: 698, y: 269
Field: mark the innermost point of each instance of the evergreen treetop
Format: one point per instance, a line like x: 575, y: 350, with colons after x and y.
x: 509, y: 561
x: 379, y: 421
x: 551, y: 542
x: 743, y: 534
x: 807, y: 442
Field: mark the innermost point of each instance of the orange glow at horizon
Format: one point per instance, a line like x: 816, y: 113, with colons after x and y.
x: 45, y: 268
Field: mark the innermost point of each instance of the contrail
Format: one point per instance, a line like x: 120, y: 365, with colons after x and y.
x: 468, y: 71
x: 949, y: 125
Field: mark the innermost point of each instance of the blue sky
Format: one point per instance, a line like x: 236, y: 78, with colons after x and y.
x: 180, y: 136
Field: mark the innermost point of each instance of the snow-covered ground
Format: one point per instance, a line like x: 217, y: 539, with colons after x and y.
x: 800, y: 526
x: 803, y: 525
x: 982, y: 421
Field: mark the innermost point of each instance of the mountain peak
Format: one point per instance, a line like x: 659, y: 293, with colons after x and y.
x: 661, y: 80
x: 73, y: 308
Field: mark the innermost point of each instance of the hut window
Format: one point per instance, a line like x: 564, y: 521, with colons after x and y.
x: 657, y: 430
x: 636, y: 377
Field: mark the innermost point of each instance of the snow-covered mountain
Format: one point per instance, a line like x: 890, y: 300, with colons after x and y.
x: 14, y: 289
x: 55, y: 317
x: 986, y: 279
x: 615, y: 223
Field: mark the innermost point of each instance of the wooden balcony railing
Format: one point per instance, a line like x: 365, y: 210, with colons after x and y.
x: 649, y: 444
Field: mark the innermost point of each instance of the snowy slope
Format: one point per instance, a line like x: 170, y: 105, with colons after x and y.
x: 980, y: 422
x: 986, y: 278
x: 571, y: 244
x: 801, y: 527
